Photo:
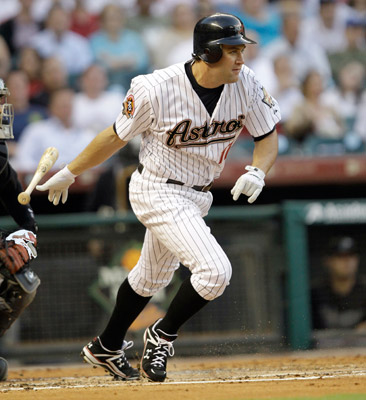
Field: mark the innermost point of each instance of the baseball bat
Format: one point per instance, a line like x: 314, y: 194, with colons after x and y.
x: 46, y: 162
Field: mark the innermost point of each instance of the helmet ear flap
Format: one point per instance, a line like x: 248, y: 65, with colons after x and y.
x: 212, y: 54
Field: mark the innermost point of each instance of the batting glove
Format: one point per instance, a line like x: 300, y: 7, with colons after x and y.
x: 250, y: 184
x: 58, y: 185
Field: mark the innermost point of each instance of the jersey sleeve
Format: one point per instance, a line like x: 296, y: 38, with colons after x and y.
x: 136, y: 113
x: 263, y: 113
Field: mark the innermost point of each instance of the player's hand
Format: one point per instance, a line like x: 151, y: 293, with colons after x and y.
x: 250, y: 184
x: 58, y: 185
x: 18, y: 249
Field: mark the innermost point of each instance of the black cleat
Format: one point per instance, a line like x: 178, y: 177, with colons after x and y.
x: 157, y: 347
x: 114, y: 362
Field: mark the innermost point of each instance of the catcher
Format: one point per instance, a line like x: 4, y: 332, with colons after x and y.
x: 18, y: 283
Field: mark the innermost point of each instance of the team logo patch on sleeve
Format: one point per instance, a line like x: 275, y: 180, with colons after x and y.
x: 267, y: 98
x: 129, y: 106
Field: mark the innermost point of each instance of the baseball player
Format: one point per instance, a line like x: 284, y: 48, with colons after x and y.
x: 189, y: 115
x: 18, y: 283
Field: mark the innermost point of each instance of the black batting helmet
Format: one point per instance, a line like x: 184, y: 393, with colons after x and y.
x: 213, y: 31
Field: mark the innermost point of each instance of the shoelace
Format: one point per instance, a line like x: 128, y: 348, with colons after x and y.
x: 163, y: 349
x: 126, y: 345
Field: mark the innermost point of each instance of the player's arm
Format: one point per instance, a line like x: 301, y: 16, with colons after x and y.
x: 264, y: 156
x: 265, y: 152
x: 102, y: 147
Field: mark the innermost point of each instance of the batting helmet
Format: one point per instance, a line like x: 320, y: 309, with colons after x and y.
x: 213, y: 31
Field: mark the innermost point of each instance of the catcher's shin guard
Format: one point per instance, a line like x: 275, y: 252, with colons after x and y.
x: 13, y: 301
x: 3, y: 369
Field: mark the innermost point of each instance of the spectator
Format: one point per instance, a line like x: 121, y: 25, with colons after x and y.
x: 175, y: 39
x: 263, y: 67
x: 339, y: 300
x: 359, y: 6
x: 30, y: 63
x: 24, y: 112
x: 9, y: 8
x: 95, y: 107
x: 42, y: 8
x: 327, y: 27
x: 355, y: 48
x: 303, y: 55
x: 204, y: 8
x: 19, y: 30
x: 56, y: 131
x: 120, y: 50
x: 360, y: 122
x: 5, y: 60
x: 287, y: 91
x: 57, y: 40
x: 259, y: 16
x: 82, y: 21
x: 53, y: 77
x: 144, y: 19
x: 346, y: 96
x: 312, y: 117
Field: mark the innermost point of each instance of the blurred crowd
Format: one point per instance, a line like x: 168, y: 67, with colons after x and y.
x: 69, y: 63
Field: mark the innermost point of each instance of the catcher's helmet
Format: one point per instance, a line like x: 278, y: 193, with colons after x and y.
x: 6, y: 113
x: 213, y: 31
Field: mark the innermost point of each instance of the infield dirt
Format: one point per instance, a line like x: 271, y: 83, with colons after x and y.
x: 310, y: 374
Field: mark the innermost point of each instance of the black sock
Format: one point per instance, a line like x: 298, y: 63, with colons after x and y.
x: 128, y: 306
x: 185, y: 304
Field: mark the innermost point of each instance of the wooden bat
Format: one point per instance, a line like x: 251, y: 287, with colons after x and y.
x: 46, y: 162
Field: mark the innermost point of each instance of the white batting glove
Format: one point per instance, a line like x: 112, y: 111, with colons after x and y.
x: 58, y: 185
x: 250, y: 184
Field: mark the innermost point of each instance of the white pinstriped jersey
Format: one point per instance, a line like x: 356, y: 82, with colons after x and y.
x: 180, y: 140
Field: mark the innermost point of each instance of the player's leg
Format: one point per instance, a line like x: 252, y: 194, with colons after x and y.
x: 211, y: 272
x: 182, y: 230
x: 107, y: 350
x: 154, y: 270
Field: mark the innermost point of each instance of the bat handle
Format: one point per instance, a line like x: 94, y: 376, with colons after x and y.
x: 24, y: 198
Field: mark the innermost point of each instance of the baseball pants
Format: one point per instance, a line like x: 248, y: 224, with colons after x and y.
x: 175, y: 233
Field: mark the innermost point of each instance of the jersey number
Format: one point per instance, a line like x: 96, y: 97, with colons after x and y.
x: 225, y: 152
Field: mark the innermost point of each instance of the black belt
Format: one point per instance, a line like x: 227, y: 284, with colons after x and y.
x: 198, y: 188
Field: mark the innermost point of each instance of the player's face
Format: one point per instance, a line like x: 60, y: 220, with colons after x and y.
x: 230, y: 64
x: 343, y: 266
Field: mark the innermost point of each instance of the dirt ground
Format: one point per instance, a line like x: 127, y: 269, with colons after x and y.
x: 308, y: 374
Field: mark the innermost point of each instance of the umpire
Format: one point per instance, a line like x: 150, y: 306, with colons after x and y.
x: 18, y: 283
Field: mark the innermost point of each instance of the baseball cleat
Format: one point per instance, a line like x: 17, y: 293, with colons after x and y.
x: 3, y: 369
x: 157, y: 347
x: 114, y: 362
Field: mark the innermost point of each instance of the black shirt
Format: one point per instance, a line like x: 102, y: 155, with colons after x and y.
x: 10, y: 187
x: 209, y: 97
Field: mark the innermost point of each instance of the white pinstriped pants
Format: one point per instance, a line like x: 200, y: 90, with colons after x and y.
x: 175, y: 232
